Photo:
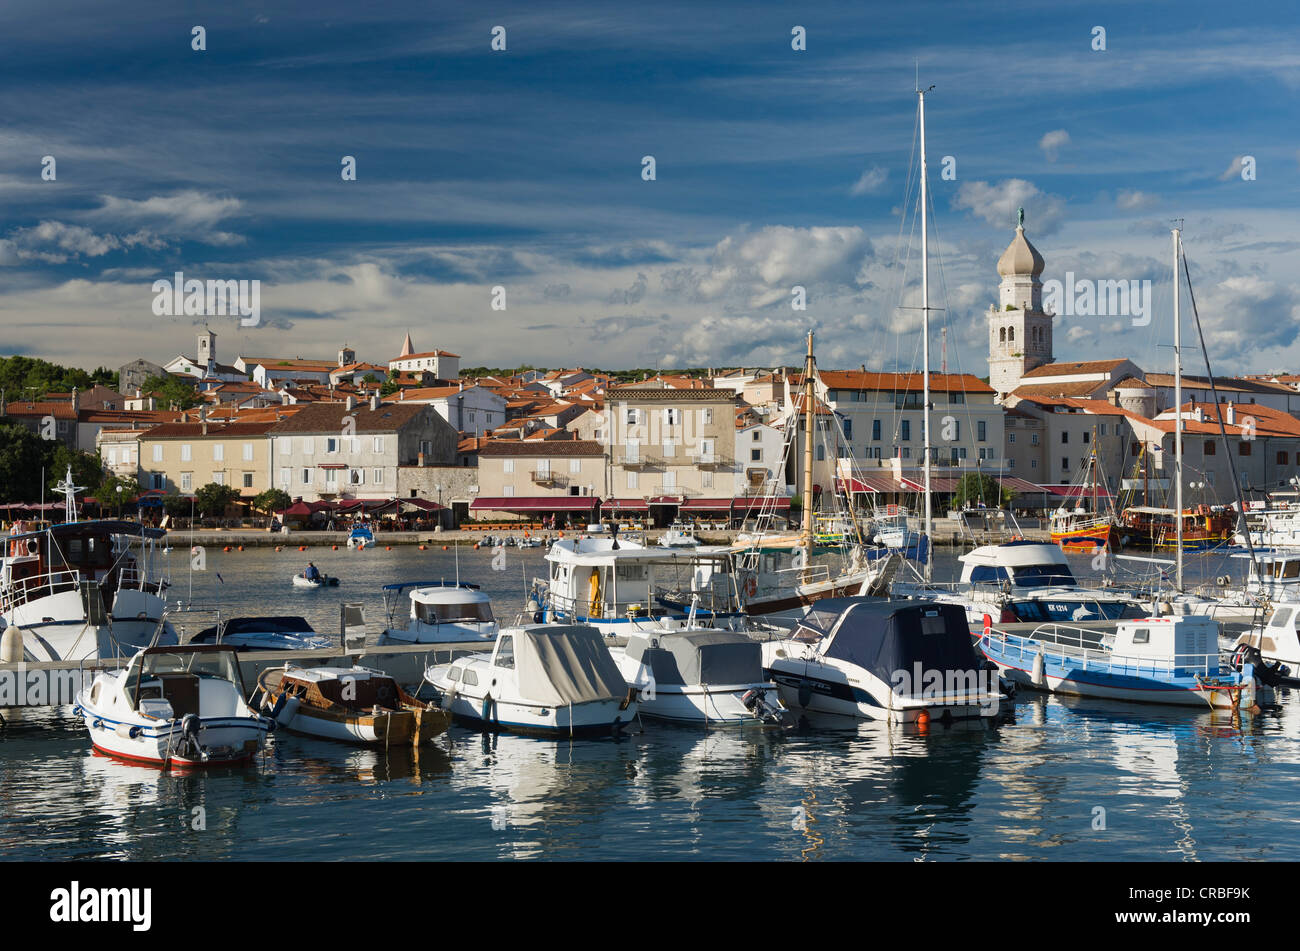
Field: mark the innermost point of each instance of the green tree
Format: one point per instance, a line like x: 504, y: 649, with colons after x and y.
x: 111, y: 500
x: 172, y: 391
x: 975, y: 487
x: 272, y: 500
x: 22, y: 455
x: 177, y: 505
x: 213, y: 499
x: 87, y: 469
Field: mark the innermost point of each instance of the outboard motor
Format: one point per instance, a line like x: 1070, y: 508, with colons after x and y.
x: 757, y: 704
x: 190, y: 735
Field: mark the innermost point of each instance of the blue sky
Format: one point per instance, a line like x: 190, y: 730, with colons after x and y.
x: 522, y: 168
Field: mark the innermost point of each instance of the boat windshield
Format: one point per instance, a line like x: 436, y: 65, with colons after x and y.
x: 473, y: 612
x: 1038, y: 576
x: 216, y: 664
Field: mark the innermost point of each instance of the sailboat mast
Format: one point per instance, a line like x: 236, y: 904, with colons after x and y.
x: 925, y: 332
x: 1178, y: 422
x: 808, y: 456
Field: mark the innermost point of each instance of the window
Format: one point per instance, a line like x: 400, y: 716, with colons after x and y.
x: 544, y: 468
x: 631, y: 480
x: 307, y: 445
x: 575, y: 466
x: 757, y: 435
x: 1281, y: 458
x: 1142, y: 635
x: 286, y: 476
x: 331, y: 478
x: 186, y: 454
x: 331, y: 445
x: 306, y: 477
x: 377, y: 476
x: 1210, y: 448
x: 248, y: 452
x: 112, y: 457
x: 905, y: 430
x: 875, y: 430
x: 821, y: 453
x: 1101, y: 429
x: 508, y: 466
x: 187, y: 481
x: 378, y: 444
x: 1011, y: 437
x: 670, y: 448
x: 756, y: 455
x: 356, y: 476
x: 1065, y: 438
x: 219, y: 478
x: 286, y: 446
x: 248, y: 480
x: 1065, y: 463
x: 706, y: 416
x: 1243, y: 448
x: 672, y: 416
x: 1033, y: 439
x: 508, y: 491
x: 631, y: 417
x: 1033, y: 463
x: 1087, y: 437
x: 670, y: 479
x: 706, y: 479
x: 958, y: 397
x: 981, y: 431
x: 505, y: 653
x: 157, y: 481
x: 1011, y: 463
x: 218, y: 453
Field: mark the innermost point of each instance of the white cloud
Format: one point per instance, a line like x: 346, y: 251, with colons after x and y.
x: 1134, y: 200
x: 997, y: 204
x: 870, y: 180
x: 1053, y: 142
x: 758, y: 264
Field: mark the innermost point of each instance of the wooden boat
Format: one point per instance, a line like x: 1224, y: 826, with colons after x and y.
x: 351, y: 704
x: 1205, y: 527
x: 1079, y: 527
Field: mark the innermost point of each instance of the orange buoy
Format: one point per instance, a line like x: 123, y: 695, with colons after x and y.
x: 444, y: 547
x: 302, y: 547
x: 421, y: 548
x: 277, y: 547
x: 923, y: 719
x: 388, y: 548
x: 241, y: 547
x: 227, y: 548
x: 476, y: 547
x: 336, y: 547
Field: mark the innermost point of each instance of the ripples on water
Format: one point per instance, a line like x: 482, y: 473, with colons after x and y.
x: 1175, y: 785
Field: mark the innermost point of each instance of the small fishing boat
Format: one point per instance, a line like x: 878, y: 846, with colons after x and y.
x: 1169, y: 660
x: 300, y: 580
x: 351, y: 704
x: 442, y: 612
x: 174, y: 707
x: 361, y: 537
x: 900, y: 661
x: 263, y: 634
x: 543, y: 679
x: 699, y: 676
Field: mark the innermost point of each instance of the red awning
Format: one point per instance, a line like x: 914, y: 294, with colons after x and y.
x: 665, y: 500
x: 1074, y: 491
x: 423, y: 504
x: 870, y: 483
x: 556, y: 503
x: 707, y: 505
x: 625, y: 505
x: 937, y: 484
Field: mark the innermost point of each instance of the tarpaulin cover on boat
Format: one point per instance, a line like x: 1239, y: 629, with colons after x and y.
x: 565, y: 664
x: 884, y: 637
x: 700, y: 657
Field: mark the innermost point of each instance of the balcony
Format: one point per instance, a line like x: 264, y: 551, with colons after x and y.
x: 547, y: 478
x: 670, y: 490
x: 638, y: 462
x: 710, y: 460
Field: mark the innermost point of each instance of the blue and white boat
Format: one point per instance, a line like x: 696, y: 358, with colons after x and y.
x: 547, y: 680
x: 1169, y: 660
x: 442, y: 612
x: 621, y: 587
x: 361, y: 537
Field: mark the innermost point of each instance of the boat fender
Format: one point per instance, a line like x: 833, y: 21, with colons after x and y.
x: 125, y: 730
x: 1038, y: 676
x: 487, y: 712
x: 274, y: 713
x: 805, y: 693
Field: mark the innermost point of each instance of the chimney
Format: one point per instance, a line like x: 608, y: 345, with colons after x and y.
x: 205, y: 427
x: 76, y: 401
x: 374, y: 400
x: 1231, y: 418
x: 419, y: 460
x: 401, y: 395
x: 349, y: 404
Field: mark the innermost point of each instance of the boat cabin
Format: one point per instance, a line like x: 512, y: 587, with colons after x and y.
x: 169, y: 682
x: 1021, y: 564
x: 1272, y: 573
x: 1182, y: 642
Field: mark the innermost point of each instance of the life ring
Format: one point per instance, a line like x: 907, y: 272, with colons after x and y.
x: 751, y: 587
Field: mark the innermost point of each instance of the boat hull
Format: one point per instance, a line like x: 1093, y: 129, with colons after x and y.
x: 822, y: 688
x: 229, y: 740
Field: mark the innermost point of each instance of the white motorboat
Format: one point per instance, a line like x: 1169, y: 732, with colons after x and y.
x: 709, y: 677
x: 173, y: 707
x: 263, y: 634
x: 442, y: 612
x: 85, y: 589
x: 361, y: 538
x: 900, y: 661
x: 621, y: 587
x: 545, y: 679
x: 1275, y: 642
x: 1024, y: 581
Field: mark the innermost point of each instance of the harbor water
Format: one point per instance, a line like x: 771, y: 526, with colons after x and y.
x: 1052, y: 779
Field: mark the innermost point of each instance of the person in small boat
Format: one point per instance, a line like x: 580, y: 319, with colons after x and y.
x: 312, y: 573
